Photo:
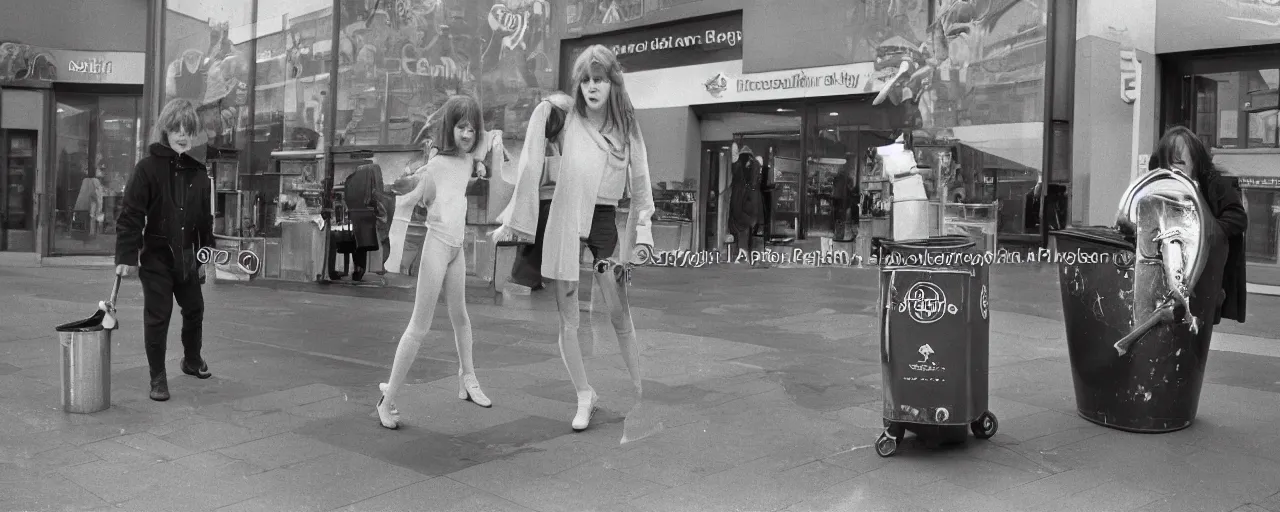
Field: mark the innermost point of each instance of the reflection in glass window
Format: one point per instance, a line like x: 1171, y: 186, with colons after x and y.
x: 1238, y: 109
x: 400, y: 65
x: 207, y: 60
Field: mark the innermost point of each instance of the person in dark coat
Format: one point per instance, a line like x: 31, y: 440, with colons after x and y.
x: 1180, y: 148
x: 166, y: 219
x: 363, y: 195
x: 744, y: 200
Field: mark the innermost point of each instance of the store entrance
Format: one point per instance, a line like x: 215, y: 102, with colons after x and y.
x: 17, y: 181
x: 814, y: 158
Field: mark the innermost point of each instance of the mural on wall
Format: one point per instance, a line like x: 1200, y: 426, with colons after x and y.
x: 977, y: 52
x: 25, y: 62
x: 581, y: 15
x: 406, y: 57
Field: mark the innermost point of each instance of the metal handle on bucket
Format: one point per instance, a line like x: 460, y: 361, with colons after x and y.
x: 115, y: 292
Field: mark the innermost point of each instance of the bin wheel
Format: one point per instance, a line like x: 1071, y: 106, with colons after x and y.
x: 985, y: 426
x: 886, y: 446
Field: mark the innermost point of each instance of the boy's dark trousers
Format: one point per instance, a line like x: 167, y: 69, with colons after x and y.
x: 160, y: 287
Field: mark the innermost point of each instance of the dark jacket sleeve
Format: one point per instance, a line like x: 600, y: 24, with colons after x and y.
x: 1224, y: 199
x: 133, y: 217
x: 205, y: 226
x: 1228, y: 207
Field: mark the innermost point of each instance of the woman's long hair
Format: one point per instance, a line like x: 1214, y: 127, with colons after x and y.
x: 1168, y: 152
x: 598, y: 61
x: 456, y: 110
x: 178, y: 114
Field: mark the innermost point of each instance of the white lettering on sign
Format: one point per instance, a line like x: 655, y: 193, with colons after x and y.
x: 90, y: 66
x: 712, y: 36
x: 803, y: 81
x: 926, y: 303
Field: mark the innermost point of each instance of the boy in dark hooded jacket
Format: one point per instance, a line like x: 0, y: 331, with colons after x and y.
x: 165, y: 221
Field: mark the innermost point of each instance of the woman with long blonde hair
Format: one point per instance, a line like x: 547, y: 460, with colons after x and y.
x: 604, y: 160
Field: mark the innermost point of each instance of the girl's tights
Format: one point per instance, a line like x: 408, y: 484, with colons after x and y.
x: 615, y: 295
x: 442, y: 266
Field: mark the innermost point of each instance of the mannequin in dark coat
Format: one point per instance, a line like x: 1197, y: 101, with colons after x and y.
x: 363, y: 192
x: 745, y: 202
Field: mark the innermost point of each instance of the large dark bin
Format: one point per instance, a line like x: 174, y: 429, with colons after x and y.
x: 1155, y: 386
x: 935, y: 337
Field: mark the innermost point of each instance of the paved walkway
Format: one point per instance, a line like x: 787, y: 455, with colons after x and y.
x: 768, y: 383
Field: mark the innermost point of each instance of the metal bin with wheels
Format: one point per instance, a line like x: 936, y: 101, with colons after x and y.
x: 935, y: 335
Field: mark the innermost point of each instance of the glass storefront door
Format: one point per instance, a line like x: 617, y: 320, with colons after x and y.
x: 840, y: 187
x: 97, y: 147
x: 17, y: 180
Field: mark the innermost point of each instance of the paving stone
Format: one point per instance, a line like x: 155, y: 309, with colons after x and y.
x: 1108, y: 497
x: 440, y: 493
x: 48, y: 493
x: 280, y: 450
x: 328, y: 482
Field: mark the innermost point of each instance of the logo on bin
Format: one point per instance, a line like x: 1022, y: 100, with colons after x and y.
x: 924, y: 365
x: 983, y: 302
x: 926, y: 303
x: 925, y: 351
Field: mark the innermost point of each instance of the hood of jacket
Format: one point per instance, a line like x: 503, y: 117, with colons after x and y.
x: 164, y: 151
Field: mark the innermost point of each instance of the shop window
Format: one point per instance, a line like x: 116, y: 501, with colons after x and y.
x: 1261, y: 240
x: 207, y: 59
x: 399, y: 65
x: 97, y: 147
x: 1238, y: 109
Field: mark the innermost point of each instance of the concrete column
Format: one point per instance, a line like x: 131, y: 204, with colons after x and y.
x: 1102, y: 154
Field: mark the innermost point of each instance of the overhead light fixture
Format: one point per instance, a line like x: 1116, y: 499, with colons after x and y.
x: 785, y: 110
x: 835, y: 114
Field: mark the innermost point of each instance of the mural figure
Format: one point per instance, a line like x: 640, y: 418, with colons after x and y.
x: 25, y: 62
x: 957, y: 57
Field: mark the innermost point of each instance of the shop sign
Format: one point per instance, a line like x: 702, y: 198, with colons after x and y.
x: 726, y: 83
x: 100, y: 67
x: 701, y: 41
x: 1260, y: 182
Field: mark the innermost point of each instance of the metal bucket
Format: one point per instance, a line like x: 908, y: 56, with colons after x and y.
x: 85, y: 357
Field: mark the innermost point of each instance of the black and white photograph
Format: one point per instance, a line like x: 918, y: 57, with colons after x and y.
x: 640, y: 255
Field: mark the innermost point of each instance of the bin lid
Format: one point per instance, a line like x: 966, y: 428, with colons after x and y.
x: 91, y: 324
x: 954, y: 242
x: 1105, y: 235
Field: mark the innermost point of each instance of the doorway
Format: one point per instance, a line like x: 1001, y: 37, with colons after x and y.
x: 814, y: 156
x: 97, y: 146
x: 18, y: 152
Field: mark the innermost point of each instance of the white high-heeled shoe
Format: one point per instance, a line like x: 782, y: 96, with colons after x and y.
x: 586, y: 409
x: 384, y: 415
x: 382, y: 386
x: 469, y: 389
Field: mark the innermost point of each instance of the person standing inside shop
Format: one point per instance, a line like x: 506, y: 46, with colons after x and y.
x: 443, y: 186
x: 605, y: 159
x: 165, y: 220
x: 362, y: 193
x: 744, y: 201
x: 1180, y: 148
